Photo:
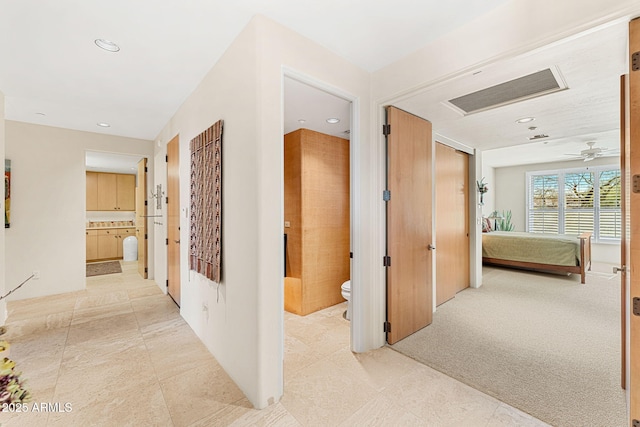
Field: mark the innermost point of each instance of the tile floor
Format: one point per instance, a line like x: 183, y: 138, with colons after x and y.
x: 121, y: 355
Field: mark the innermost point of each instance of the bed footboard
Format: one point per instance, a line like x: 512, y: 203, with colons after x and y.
x: 585, y: 255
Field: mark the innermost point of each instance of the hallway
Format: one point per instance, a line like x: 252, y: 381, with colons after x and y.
x: 120, y: 354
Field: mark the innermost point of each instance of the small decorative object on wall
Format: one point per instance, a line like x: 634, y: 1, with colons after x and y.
x: 482, y: 188
x: 158, y: 195
x: 205, y: 251
x: 7, y: 193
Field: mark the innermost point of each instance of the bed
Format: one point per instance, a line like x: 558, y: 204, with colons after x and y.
x: 536, y: 251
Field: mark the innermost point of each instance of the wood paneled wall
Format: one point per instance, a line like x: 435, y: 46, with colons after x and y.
x: 316, y: 173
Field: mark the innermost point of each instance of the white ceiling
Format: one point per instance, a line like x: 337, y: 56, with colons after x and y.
x: 97, y: 161
x: 50, y: 65
x: 588, y: 110
x: 308, y: 107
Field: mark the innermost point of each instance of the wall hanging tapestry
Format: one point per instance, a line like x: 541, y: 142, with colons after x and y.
x: 205, y: 250
x: 7, y: 193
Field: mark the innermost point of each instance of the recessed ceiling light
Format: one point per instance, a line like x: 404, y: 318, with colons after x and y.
x: 333, y: 120
x: 104, y: 125
x: 107, y: 45
x: 525, y: 120
x: 301, y: 121
x: 40, y: 114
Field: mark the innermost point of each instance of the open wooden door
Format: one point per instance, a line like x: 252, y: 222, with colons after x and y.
x: 632, y: 240
x: 409, y: 222
x: 173, y: 219
x: 141, y: 218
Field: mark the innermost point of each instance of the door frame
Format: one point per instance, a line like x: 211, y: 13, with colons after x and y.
x: 359, y: 322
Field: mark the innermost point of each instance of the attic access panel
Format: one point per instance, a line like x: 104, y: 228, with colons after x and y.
x: 537, y: 84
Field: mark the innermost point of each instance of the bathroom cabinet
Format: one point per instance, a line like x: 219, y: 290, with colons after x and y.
x: 104, y: 244
x: 92, y: 245
x: 110, y: 192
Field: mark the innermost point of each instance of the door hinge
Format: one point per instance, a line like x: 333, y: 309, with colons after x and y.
x: 386, y: 195
x: 167, y: 283
x: 636, y: 306
x: 635, y: 61
x: 167, y: 242
x: 166, y: 200
x: 146, y: 269
x: 146, y: 170
x: 351, y: 255
x: 146, y: 203
x: 166, y: 158
x: 386, y: 327
x: 386, y: 261
x: 386, y: 130
x: 146, y: 236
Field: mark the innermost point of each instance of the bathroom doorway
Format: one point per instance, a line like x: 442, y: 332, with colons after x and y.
x: 317, y: 212
x: 112, y: 180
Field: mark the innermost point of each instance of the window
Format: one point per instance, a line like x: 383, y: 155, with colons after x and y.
x: 575, y: 201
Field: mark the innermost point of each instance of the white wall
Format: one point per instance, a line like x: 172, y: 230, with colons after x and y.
x: 489, y: 175
x: 243, y: 326
x: 3, y: 303
x: 229, y: 328
x: 48, y: 204
x: 510, y: 194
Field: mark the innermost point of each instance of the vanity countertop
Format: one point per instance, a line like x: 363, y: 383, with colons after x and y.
x: 110, y: 227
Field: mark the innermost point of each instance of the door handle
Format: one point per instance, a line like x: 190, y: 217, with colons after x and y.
x: 622, y: 269
x: 177, y: 241
x: 431, y: 247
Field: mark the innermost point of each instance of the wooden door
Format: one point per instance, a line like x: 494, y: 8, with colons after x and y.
x: 632, y: 240
x: 409, y: 216
x: 452, y: 222
x: 141, y: 218
x: 173, y: 219
x: 126, y: 192
x: 107, y: 190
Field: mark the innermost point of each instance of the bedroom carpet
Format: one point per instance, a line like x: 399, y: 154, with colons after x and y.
x: 542, y: 343
x: 100, y: 268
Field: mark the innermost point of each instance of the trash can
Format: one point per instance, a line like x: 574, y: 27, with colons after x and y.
x: 130, y: 248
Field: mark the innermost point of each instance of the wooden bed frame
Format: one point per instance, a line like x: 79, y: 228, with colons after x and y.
x: 585, y: 261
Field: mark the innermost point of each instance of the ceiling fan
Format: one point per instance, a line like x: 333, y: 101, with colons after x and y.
x: 594, y: 152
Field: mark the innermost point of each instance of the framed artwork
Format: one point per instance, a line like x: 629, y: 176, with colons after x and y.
x: 7, y: 193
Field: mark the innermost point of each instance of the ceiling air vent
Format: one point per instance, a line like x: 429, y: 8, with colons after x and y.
x: 530, y: 86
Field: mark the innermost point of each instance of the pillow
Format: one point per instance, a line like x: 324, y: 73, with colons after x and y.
x: 486, y: 225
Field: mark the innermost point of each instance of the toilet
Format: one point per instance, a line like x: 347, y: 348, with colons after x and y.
x: 346, y: 294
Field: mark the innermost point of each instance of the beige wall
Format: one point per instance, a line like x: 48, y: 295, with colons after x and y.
x: 48, y: 204
x: 243, y: 323
x: 510, y: 194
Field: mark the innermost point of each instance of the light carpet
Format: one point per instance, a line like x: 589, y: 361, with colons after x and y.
x: 100, y: 268
x: 542, y: 343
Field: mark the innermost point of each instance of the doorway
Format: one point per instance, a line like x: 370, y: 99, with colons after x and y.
x: 318, y: 119
x: 112, y: 203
